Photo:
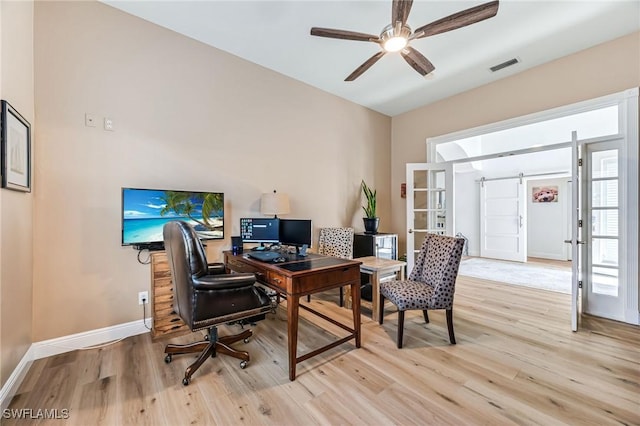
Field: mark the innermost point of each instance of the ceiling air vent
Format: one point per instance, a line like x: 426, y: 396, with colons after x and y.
x: 504, y: 64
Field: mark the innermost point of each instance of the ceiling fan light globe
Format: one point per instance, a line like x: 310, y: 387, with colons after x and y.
x: 395, y: 44
x: 396, y: 38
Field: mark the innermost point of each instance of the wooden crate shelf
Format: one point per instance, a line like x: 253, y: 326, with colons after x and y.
x: 166, y: 323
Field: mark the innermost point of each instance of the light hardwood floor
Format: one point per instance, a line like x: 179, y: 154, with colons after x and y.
x: 516, y: 362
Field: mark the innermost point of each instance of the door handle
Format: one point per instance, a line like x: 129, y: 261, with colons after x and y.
x: 410, y: 231
x: 570, y: 241
x: 520, y: 221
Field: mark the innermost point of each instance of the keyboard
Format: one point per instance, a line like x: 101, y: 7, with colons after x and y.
x: 264, y: 256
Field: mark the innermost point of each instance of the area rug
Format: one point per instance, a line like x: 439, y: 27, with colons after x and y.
x: 525, y: 274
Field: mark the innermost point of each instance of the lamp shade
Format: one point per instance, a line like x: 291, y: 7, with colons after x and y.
x: 274, y: 204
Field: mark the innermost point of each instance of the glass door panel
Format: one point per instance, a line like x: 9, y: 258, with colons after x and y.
x: 601, y: 295
x: 428, y: 189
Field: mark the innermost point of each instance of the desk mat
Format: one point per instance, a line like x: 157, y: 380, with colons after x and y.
x: 312, y: 263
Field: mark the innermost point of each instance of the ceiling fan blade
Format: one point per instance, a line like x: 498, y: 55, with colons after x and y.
x: 458, y: 20
x: 365, y: 66
x: 343, y: 34
x: 417, y: 60
x: 400, y: 11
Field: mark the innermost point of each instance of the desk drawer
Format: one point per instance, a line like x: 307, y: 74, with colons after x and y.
x: 327, y: 280
x: 276, y: 279
x: 237, y: 266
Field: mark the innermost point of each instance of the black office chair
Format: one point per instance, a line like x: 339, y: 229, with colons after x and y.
x: 205, y: 297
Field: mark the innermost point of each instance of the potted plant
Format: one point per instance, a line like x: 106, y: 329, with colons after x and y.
x: 371, y: 221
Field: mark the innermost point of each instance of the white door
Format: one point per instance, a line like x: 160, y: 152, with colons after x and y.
x: 602, y: 290
x: 596, y: 231
x: 502, y: 219
x: 577, y: 239
x: 429, y: 204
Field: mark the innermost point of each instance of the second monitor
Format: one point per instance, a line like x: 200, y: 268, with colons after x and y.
x: 296, y: 232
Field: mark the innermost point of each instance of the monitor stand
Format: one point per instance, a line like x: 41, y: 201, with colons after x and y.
x: 262, y: 247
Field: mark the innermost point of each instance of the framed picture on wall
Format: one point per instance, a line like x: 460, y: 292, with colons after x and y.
x: 544, y: 194
x: 16, y: 149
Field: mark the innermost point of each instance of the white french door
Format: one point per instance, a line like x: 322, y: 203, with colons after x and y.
x: 597, y: 238
x: 602, y: 291
x: 429, y: 204
x: 577, y: 239
x: 502, y: 219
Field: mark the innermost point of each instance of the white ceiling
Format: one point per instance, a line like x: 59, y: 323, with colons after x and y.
x: 275, y: 34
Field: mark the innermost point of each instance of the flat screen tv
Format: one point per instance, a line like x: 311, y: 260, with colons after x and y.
x: 145, y: 211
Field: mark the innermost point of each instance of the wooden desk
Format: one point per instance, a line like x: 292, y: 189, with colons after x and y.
x: 298, y: 277
x: 378, y: 268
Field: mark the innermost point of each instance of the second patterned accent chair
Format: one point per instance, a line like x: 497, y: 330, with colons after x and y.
x: 336, y: 242
x: 431, y: 284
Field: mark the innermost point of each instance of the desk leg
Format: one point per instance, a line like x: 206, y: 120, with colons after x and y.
x: 375, y: 296
x: 347, y: 296
x: 293, y: 306
x: 355, y: 307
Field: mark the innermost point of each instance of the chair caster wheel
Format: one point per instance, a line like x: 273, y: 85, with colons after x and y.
x: 186, y: 381
x: 246, y: 340
x: 243, y: 364
x: 168, y: 358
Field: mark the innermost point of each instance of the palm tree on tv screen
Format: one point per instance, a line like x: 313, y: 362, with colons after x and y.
x: 182, y: 204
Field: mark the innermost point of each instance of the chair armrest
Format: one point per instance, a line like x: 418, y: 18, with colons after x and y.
x: 224, y: 281
x: 216, y: 268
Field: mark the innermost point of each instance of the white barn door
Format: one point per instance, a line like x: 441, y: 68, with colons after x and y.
x: 502, y: 219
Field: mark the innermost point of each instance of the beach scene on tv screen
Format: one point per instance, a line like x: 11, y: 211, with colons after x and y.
x: 145, y: 213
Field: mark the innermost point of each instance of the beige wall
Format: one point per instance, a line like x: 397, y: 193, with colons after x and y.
x: 16, y: 208
x: 187, y: 116
x: 601, y: 70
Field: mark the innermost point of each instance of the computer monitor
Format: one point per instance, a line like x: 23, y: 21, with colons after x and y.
x: 259, y: 230
x: 295, y: 232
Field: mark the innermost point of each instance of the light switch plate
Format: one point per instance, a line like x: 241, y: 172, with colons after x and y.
x: 89, y: 120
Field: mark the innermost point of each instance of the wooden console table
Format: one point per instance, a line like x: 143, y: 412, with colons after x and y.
x: 301, y: 276
x: 379, y: 268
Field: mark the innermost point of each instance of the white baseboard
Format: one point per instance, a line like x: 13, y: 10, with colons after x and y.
x: 543, y: 255
x: 88, y: 339
x: 59, y: 345
x: 15, y: 379
x: 552, y: 256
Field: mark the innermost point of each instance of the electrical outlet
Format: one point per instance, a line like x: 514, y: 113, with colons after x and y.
x: 108, y: 124
x: 143, y: 297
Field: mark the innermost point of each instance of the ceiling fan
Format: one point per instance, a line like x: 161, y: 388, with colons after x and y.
x: 397, y: 35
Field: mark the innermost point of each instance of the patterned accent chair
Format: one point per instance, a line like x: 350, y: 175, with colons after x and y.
x: 431, y: 284
x: 336, y: 242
